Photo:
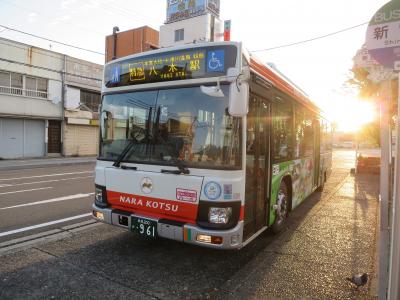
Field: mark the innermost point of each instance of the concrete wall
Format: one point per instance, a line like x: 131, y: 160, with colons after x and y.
x: 196, y: 29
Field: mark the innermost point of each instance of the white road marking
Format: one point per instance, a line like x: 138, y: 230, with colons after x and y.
x: 70, y: 197
x: 45, y: 181
x: 46, y: 175
x: 22, y: 191
x: 43, y: 225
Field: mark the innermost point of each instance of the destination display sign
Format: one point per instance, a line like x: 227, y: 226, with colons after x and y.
x: 170, y: 66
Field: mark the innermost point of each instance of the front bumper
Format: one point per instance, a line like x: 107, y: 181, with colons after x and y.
x: 231, y: 239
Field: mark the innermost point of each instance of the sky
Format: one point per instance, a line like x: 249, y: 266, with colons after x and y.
x: 320, y: 68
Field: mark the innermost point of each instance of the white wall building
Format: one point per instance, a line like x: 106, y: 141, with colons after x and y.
x: 191, y: 21
x: 31, y: 100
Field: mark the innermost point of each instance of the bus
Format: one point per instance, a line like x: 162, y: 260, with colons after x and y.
x: 206, y: 145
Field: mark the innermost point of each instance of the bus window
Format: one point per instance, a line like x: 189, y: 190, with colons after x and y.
x: 308, y: 135
x: 298, y: 132
x: 282, y: 130
x: 304, y: 133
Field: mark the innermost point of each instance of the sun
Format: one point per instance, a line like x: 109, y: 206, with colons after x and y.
x: 350, y: 114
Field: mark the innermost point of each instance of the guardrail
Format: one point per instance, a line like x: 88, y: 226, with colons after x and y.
x: 21, y: 92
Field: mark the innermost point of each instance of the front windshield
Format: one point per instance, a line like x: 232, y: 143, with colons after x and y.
x: 170, y: 127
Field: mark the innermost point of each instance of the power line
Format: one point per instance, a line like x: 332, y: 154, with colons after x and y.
x: 30, y: 10
x: 310, y: 40
x: 48, y: 69
x: 50, y: 40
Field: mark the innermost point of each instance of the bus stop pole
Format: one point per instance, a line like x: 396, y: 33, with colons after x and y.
x: 394, y: 270
x: 384, y: 192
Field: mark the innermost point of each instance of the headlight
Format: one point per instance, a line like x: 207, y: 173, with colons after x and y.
x: 219, y: 215
x: 99, y: 198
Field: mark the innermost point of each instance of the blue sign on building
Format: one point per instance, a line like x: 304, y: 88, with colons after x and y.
x: 178, y: 10
x: 216, y: 61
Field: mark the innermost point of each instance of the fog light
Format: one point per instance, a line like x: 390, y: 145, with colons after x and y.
x: 98, y: 215
x: 219, y: 215
x: 204, y: 238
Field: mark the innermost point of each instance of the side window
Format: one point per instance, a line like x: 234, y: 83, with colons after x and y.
x: 299, y: 147
x: 328, y: 137
x: 308, y: 135
x: 282, y: 128
x: 322, y: 135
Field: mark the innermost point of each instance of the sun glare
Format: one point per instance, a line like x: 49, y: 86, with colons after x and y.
x: 351, y: 114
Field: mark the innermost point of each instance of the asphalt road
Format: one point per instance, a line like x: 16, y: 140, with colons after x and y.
x: 41, y: 199
x: 330, y: 236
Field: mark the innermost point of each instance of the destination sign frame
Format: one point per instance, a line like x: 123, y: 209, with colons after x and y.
x: 183, y: 64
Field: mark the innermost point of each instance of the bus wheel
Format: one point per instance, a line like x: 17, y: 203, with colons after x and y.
x: 282, y: 208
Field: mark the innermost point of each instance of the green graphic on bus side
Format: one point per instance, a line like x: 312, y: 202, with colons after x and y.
x: 301, y: 173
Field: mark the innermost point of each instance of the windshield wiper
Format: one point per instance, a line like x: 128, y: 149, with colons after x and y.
x: 181, y: 170
x: 128, y: 147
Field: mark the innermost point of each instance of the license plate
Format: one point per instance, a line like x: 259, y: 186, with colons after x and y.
x: 144, y: 227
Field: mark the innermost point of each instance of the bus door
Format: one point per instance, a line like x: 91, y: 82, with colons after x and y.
x: 257, y: 165
x: 317, y: 151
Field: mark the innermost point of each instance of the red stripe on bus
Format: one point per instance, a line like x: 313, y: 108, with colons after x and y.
x: 241, y: 216
x: 154, y: 207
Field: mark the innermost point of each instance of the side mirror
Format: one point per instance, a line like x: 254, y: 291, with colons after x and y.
x: 239, y: 94
x: 238, y: 99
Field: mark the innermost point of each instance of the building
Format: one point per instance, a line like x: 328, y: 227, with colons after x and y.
x: 81, y: 107
x: 130, y: 42
x: 38, y: 117
x: 191, y: 21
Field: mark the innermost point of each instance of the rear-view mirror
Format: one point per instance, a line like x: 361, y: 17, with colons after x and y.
x: 238, y: 98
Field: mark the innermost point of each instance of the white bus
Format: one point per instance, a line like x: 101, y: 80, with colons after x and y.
x: 205, y: 145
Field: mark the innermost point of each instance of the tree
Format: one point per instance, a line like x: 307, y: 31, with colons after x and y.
x: 370, y: 134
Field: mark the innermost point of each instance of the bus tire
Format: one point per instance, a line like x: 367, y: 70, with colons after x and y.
x: 281, y: 213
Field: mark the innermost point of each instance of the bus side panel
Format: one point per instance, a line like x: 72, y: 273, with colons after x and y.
x: 301, y: 173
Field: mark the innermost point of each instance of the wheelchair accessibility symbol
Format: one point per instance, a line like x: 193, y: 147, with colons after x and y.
x: 216, y: 61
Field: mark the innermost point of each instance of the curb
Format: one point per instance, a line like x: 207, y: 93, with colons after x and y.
x: 44, y: 165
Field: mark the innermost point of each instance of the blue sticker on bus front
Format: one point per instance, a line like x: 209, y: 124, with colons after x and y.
x: 212, y: 190
x: 116, y: 74
x: 216, y: 61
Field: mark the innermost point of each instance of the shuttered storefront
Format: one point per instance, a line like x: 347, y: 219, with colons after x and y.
x: 22, y: 138
x: 81, y: 140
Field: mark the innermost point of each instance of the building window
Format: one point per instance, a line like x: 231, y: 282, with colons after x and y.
x: 14, y: 83
x: 4, y: 79
x: 35, y: 87
x: 179, y: 35
x: 90, y: 99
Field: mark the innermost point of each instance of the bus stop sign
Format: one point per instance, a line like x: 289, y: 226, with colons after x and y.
x: 383, y: 36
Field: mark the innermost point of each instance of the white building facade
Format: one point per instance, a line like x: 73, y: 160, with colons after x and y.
x: 191, y: 21
x: 33, y: 121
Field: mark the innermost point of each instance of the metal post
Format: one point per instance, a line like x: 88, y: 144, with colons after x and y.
x: 63, y: 92
x: 384, y: 192
x: 394, y: 271
x: 115, y: 30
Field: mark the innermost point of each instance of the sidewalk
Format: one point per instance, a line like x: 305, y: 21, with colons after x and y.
x: 335, y: 240
x: 19, y: 164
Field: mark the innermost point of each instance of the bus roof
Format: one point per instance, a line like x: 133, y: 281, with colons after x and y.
x: 281, y: 82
